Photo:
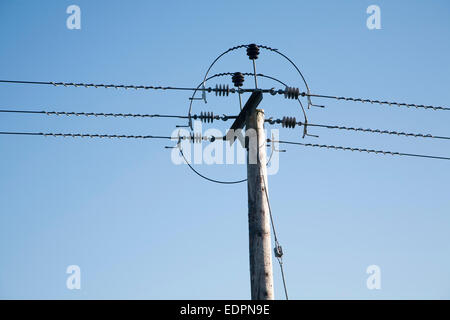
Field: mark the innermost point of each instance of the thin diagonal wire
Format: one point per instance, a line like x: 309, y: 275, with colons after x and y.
x: 390, y: 103
x: 362, y: 150
x: 379, y: 131
x: 367, y: 130
x: 277, y: 244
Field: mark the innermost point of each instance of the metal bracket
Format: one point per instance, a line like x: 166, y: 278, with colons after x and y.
x: 250, y: 106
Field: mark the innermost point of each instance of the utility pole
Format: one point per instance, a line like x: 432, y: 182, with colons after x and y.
x: 261, y: 273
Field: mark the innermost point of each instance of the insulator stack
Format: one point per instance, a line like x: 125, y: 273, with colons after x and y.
x: 206, y: 117
x: 253, y: 51
x: 196, y: 137
x: 291, y: 93
x: 288, y: 122
x: 238, y: 79
x: 222, y: 90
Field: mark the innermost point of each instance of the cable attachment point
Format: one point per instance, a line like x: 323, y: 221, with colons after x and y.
x: 222, y: 90
x: 253, y: 51
x: 206, y: 117
x: 197, y: 137
x: 274, y: 149
x: 178, y: 144
x: 305, y: 131
x: 291, y: 93
x: 237, y: 79
x: 225, y: 117
x: 203, y: 97
x: 288, y: 122
x: 204, y: 93
x: 278, y: 251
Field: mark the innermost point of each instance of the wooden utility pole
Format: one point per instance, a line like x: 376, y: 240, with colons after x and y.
x: 261, y: 274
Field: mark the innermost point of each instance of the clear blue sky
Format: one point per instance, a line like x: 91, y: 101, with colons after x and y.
x: 140, y: 227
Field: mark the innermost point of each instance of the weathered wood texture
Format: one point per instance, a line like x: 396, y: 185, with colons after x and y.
x: 261, y: 275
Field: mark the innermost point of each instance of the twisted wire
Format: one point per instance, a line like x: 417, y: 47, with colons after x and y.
x: 201, y: 116
x: 393, y: 153
x: 86, y: 135
x: 369, y: 130
x: 92, y: 114
x: 379, y: 131
x: 119, y: 86
x: 231, y: 90
x: 94, y: 85
x: 390, y: 103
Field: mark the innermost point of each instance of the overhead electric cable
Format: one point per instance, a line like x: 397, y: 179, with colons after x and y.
x: 359, y: 149
x: 372, y: 101
x: 290, y: 122
x: 204, y: 116
x: 85, y: 135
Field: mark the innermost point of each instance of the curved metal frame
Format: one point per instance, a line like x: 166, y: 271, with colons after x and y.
x: 206, y: 78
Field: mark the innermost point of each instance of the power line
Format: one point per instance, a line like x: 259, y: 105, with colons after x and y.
x: 224, y: 90
x: 220, y: 90
x: 86, y: 135
x: 97, y: 85
x: 94, y: 114
x: 195, y: 138
x: 203, y: 116
x: 390, y: 103
x: 360, y: 150
x: 379, y: 131
x: 89, y: 135
x: 208, y: 117
x: 112, y: 136
x: 290, y: 122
